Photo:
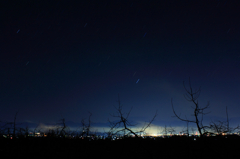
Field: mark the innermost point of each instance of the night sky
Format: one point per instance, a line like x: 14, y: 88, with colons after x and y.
x: 68, y: 58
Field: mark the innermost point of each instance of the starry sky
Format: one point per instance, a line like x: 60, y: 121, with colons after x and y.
x: 65, y: 59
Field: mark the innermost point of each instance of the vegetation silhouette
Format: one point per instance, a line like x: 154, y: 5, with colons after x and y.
x: 192, y: 96
x: 123, y: 125
x: 218, y: 127
x: 61, y: 143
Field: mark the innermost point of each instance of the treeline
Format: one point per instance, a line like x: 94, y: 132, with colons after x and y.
x: 122, y: 126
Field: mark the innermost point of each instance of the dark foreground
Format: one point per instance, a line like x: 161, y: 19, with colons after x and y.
x: 175, y: 147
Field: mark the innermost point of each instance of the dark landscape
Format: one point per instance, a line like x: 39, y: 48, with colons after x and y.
x: 75, y: 71
x: 172, y: 147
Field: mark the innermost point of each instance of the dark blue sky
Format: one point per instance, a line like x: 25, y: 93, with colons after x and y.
x: 64, y: 59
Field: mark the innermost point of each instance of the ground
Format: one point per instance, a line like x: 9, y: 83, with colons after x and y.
x: 122, y: 149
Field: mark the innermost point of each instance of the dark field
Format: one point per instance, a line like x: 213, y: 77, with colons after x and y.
x: 174, y: 147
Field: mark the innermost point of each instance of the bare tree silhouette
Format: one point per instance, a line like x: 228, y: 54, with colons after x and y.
x: 186, y: 130
x: 86, y: 127
x: 13, y: 126
x: 171, y: 130
x: 123, y: 125
x: 221, y: 127
x: 192, y: 96
x: 230, y: 129
x: 62, y: 128
x: 165, y: 130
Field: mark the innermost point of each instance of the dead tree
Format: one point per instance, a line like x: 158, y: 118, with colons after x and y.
x: 123, y: 125
x: 165, y: 130
x: 13, y: 125
x: 171, y: 130
x: 221, y: 127
x: 193, y: 130
x: 230, y: 129
x: 62, y: 128
x: 26, y: 132
x: 186, y: 130
x: 3, y: 128
x: 86, y: 127
x: 217, y: 127
x: 192, y: 96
